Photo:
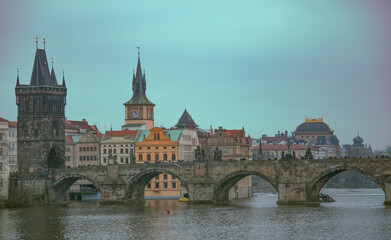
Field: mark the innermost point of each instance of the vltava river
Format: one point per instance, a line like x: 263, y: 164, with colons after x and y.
x: 356, y: 214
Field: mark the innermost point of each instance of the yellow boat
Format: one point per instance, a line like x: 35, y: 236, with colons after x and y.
x: 183, y: 199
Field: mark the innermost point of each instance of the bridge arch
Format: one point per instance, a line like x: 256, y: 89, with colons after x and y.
x: 135, y: 189
x: 63, y: 184
x: 222, y: 188
x: 318, y: 183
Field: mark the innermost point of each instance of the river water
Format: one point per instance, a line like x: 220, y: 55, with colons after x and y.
x: 356, y: 214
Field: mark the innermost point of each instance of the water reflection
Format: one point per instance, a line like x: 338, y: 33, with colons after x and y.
x: 355, y: 214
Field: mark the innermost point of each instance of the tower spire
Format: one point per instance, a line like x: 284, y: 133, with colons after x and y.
x: 36, y: 42
x: 63, y: 78
x: 17, y: 77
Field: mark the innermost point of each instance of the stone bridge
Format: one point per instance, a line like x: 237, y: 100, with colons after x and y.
x: 297, y: 181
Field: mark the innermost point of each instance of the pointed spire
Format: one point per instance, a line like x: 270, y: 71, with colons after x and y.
x: 17, y: 77
x: 36, y: 42
x: 63, y: 78
x: 53, y: 75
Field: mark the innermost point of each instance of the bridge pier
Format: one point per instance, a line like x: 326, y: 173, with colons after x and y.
x: 387, y: 192
x: 113, y: 188
x: 294, y: 194
x: 201, y: 190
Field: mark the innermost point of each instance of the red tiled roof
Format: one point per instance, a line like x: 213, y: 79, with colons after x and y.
x: 13, y: 124
x: 80, y: 125
x: 68, y: 139
x: 99, y: 136
x: 281, y: 147
x: 234, y: 133
x: 3, y: 120
x: 129, y: 133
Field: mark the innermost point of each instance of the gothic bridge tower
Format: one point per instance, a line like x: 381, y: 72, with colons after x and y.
x: 139, y: 111
x: 41, y: 119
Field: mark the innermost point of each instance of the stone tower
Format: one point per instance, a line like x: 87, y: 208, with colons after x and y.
x: 139, y: 111
x: 41, y: 119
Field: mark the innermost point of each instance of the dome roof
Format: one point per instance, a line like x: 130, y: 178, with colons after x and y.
x: 358, y: 140
x: 318, y: 127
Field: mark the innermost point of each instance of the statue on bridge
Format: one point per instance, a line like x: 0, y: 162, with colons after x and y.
x: 200, y: 155
x: 308, y: 154
x: 217, y: 154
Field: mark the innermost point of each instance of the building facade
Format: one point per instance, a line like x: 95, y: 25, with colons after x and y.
x: 118, y: 147
x: 4, y: 160
x: 13, y: 146
x: 159, y: 146
x: 41, y: 119
x: 139, y: 111
x: 234, y: 145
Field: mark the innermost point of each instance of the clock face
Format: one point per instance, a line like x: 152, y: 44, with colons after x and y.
x: 135, y: 114
x: 149, y: 114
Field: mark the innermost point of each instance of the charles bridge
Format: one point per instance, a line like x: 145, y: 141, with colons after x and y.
x: 297, y: 181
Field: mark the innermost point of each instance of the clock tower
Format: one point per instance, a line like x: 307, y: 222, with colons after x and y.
x: 139, y: 111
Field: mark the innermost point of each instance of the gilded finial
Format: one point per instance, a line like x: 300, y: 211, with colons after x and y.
x: 36, y: 42
x: 44, y: 43
x: 52, y: 62
x: 138, y: 48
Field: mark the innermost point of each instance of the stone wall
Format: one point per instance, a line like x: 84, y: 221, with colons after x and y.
x: 30, y: 192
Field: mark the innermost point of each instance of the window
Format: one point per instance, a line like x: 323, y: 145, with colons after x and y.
x: 140, y: 157
x: 114, y: 150
x: 84, y: 149
x: 149, y: 185
x: 126, y: 150
x: 88, y: 158
x: 165, y: 185
x: 165, y: 176
x: 157, y: 185
x: 173, y: 185
x: 122, y: 160
x: 173, y: 156
x: 148, y: 147
x: 164, y: 147
x: 104, y: 160
x: 80, y: 149
x: 140, y: 148
x: 157, y: 157
x: 156, y: 147
x: 84, y: 157
x: 95, y: 158
x: 81, y: 158
x: 126, y: 160
x: 1, y: 167
x: 165, y: 157
x: 94, y: 148
x: 104, y: 151
x: 149, y: 157
x: 122, y: 150
x: 157, y: 177
x: 173, y: 147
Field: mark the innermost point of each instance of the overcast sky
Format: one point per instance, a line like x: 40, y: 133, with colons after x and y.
x: 263, y: 65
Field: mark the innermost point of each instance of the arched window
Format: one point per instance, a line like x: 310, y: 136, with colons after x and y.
x: 140, y: 157
x: 165, y: 157
x: 149, y: 157
x: 157, y: 157
x: 173, y: 156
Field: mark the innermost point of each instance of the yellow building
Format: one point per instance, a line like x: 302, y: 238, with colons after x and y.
x: 139, y: 111
x: 159, y: 146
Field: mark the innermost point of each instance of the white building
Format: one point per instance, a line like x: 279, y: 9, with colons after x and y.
x: 4, y: 160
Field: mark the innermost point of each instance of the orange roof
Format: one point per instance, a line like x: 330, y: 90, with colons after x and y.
x: 99, y: 136
x: 13, y: 124
x: 3, y: 120
x: 123, y: 133
x: 68, y: 139
x: 234, y: 133
x: 281, y: 147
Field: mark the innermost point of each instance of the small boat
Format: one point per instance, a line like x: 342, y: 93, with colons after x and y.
x: 183, y: 199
